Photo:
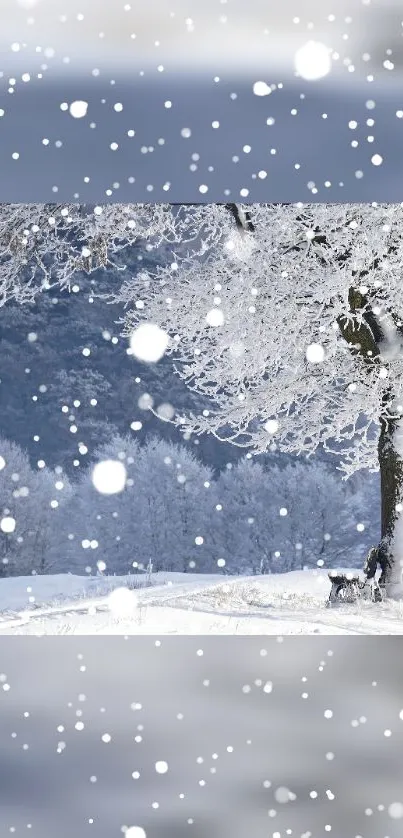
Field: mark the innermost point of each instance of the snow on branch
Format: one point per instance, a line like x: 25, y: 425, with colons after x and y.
x: 44, y: 245
x: 288, y: 318
x: 289, y: 323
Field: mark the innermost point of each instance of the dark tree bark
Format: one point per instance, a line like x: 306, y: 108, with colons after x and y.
x: 391, y: 473
x: 242, y: 220
x: 364, y: 336
x: 363, y: 333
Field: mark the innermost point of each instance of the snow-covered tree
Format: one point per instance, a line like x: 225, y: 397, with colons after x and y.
x: 163, y: 515
x: 321, y: 530
x: 289, y: 318
x: 44, y: 245
x: 293, y: 325
x: 281, y: 519
x: 33, y: 501
x: 249, y: 532
x: 175, y: 502
x: 364, y: 506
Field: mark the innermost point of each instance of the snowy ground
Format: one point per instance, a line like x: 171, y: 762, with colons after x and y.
x: 292, y: 603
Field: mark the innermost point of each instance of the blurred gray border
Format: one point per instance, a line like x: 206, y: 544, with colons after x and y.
x: 188, y: 699
x: 204, y: 59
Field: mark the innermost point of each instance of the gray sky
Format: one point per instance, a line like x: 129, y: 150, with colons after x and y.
x: 291, y: 159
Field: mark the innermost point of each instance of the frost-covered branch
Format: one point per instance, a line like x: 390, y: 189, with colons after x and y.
x: 292, y: 330
x: 44, y: 245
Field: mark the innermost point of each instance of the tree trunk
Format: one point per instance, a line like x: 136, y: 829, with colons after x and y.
x: 390, y: 453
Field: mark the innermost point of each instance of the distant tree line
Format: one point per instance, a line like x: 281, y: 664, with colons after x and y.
x: 253, y: 518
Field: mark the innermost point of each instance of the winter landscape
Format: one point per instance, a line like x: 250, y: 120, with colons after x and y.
x: 201, y: 414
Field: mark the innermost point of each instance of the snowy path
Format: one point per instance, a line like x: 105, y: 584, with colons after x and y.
x: 287, y: 604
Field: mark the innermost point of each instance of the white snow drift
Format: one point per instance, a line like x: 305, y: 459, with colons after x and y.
x: 181, y: 603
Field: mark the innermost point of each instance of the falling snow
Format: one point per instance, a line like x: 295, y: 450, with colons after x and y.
x: 313, y: 61
x: 109, y: 477
x: 149, y: 342
x: 292, y: 61
x: 78, y: 109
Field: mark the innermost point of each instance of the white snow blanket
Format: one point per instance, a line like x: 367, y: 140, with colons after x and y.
x: 284, y: 604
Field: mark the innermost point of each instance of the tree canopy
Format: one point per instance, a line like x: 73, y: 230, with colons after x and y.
x: 293, y: 330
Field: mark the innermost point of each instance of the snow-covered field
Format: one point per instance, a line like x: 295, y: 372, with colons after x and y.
x: 292, y: 603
